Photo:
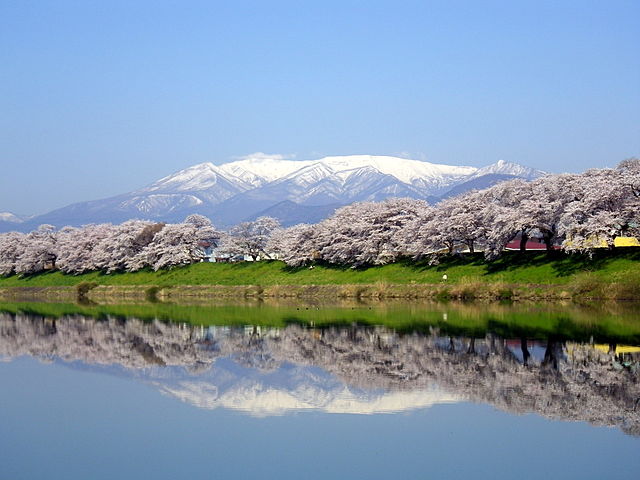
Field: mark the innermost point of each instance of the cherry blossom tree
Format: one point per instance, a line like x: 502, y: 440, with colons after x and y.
x: 176, y: 244
x: 295, y: 245
x: 457, y: 221
x: 76, y: 246
x: 501, y: 215
x: 605, y: 206
x: 250, y: 238
x: 415, y: 238
x: 543, y: 209
x: 39, y: 251
x: 629, y: 170
x: 365, y: 233
x: 121, y: 243
x: 11, y: 247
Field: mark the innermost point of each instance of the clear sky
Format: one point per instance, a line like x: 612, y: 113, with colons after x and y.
x: 102, y: 97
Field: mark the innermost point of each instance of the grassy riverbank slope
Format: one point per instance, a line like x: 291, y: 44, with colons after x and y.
x: 608, y: 274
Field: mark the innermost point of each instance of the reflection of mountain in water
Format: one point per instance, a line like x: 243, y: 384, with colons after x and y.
x: 292, y: 388
x: 355, y: 369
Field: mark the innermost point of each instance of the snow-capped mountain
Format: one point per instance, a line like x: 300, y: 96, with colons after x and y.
x: 213, y: 181
x: 10, y: 217
x: 10, y: 221
x: 508, y: 168
x: 200, y: 185
x: 259, y: 171
x: 236, y: 191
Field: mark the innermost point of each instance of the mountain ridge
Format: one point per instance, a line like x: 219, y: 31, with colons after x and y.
x: 236, y: 191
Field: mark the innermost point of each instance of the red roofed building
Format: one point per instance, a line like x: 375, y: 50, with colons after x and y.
x: 532, y: 244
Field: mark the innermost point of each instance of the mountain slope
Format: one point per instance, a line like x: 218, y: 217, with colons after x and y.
x: 508, y: 168
x: 169, y: 199
x: 239, y: 190
x: 477, y: 183
x: 291, y: 213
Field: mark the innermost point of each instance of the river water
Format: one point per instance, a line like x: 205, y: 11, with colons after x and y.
x: 318, y: 391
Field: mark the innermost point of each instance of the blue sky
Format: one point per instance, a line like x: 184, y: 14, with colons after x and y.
x: 98, y: 98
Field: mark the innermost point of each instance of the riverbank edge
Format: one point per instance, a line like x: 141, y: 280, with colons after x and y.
x: 496, y: 291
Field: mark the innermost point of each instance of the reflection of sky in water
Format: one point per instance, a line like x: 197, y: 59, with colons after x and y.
x: 536, y: 350
x: 77, y: 423
x: 153, y: 400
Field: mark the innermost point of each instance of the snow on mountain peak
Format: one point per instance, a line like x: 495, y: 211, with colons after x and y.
x: 197, y: 177
x: 200, y: 177
x: 266, y: 169
x: 340, y: 178
x: 260, y: 170
x: 10, y: 217
x: 309, y: 173
x: 404, y: 169
x: 509, y: 168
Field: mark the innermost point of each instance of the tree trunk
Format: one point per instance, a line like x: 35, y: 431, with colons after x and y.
x: 548, y: 237
x: 470, y: 245
x: 266, y: 255
x: 523, y: 242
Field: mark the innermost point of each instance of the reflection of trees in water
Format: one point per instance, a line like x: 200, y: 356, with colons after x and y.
x: 553, y: 377
x: 525, y: 351
x: 552, y: 353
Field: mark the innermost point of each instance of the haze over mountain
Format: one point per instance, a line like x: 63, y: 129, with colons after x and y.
x: 292, y: 191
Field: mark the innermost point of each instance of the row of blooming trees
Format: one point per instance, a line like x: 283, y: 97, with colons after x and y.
x: 576, y: 211
x: 130, y: 246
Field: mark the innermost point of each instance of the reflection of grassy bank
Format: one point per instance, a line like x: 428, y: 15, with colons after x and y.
x: 532, y: 275
x: 617, y: 323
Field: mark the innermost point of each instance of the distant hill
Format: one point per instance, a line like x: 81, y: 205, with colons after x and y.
x: 290, y: 213
x: 478, y: 183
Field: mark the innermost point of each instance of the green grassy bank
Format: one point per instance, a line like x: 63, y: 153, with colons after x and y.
x: 608, y: 274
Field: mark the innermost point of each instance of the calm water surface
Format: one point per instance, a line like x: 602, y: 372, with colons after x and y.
x: 110, y: 395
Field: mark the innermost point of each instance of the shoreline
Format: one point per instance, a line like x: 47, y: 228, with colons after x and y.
x: 603, y: 322
x: 487, y: 292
